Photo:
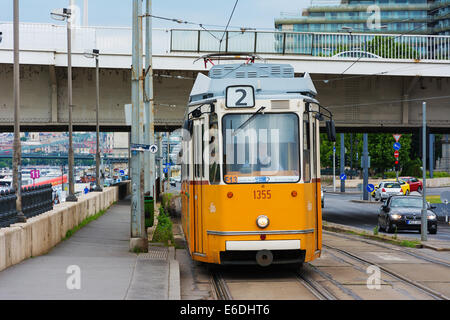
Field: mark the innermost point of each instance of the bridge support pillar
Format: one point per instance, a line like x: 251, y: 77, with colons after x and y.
x: 53, y: 94
x: 431, y: 155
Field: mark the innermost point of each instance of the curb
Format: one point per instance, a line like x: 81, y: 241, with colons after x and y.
x: 174, y: 276
x: 366, y: 201
x: 339, y: 228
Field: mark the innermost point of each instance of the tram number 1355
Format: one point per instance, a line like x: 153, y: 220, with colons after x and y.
x: 261, y: 194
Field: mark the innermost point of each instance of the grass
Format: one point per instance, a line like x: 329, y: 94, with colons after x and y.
x: 86, y: 221
x: 163, y: 232
x: 434, y: 199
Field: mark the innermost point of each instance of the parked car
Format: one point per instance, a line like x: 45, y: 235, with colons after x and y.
x: 405, y: 185
x: 405, y: 213
x: 387, y: 189
x: 414, y: 183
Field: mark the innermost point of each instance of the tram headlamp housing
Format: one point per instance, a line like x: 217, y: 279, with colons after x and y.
x: 262, y: 221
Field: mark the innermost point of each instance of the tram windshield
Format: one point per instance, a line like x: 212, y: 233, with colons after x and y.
x: 261, y: 148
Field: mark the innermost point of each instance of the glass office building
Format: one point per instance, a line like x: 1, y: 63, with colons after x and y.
x: 395, y: 16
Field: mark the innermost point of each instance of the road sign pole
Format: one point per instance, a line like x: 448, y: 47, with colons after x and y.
x: 342, y: 162
x: 424, y: 229
x: 334, y: 166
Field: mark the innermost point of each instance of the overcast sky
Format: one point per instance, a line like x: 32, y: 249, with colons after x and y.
x: 248, y: 13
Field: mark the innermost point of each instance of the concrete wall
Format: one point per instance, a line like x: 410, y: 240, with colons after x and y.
x: 41, y: 233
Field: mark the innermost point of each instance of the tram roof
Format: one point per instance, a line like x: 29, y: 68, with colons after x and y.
x: 270, y: 81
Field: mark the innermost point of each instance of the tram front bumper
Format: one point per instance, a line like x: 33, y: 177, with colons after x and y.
x: 263, y: 253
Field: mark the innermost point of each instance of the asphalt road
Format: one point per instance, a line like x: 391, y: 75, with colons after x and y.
x: 340, y: 209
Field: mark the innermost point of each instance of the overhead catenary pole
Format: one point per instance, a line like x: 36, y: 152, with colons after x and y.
x: 365, y: 159
x: 342, y: 164
x: 98, y: 187
x: 149, y: 168
x: 85, y: 13
x: 17, y: 163
x: 138, y: 237
x: 424, y: 227
x: 71, y: 197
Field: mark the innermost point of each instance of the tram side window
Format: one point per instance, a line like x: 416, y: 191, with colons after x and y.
x: 306, y: 149
x: 214, y: 166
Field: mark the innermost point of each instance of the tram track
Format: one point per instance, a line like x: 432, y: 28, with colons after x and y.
x: 303, y: 278
x: 313, y: 286
x: 377, y: 244
x: 430, y: 292
x: 221, y: 290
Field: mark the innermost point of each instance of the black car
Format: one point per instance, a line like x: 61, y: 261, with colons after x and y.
x: 400, y: 212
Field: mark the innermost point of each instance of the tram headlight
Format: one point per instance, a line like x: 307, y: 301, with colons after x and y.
x: 262, y: 221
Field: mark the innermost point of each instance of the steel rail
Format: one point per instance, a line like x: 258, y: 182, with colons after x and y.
x: 428, y: 291
x: 313, y: 286
x: 418, y: 256
x: 219, y: 285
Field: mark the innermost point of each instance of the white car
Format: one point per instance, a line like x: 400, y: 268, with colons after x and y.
x: 355, y: 54
x: 387, y: 189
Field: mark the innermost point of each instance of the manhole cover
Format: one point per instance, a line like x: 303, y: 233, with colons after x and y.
x: 155, y: 253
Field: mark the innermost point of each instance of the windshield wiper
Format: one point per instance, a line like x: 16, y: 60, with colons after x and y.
x: 248, y: 121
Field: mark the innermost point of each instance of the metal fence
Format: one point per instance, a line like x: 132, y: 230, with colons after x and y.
x: 117, y: 40
x: 53, y: 38
x: 35, y: 200
x: 390, y: 46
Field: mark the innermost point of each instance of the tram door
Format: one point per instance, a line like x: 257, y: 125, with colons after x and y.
x: 198, y: 179
x: 315, y: 174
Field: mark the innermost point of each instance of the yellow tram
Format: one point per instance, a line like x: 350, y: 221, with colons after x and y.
x: 250, y: 182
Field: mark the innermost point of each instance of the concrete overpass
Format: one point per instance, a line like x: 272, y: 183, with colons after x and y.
x: 363, y: 93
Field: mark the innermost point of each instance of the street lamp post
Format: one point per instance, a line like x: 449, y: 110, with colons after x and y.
x: 95, y: 53
x: 65, y: 15
x: 17, y: 167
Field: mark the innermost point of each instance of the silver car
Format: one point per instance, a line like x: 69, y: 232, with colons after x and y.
x: 387, y: 189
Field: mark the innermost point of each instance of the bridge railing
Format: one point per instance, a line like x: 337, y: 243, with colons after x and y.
x: 35, y: 200
x: 389, y: 46
x: 53, y: 38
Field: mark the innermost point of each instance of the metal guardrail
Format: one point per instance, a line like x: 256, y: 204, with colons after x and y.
x: 388, y: 46
x: 35, y: 200
x: 8, y: 213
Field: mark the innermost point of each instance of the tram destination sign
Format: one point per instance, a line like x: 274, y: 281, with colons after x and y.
x: 240, y: 97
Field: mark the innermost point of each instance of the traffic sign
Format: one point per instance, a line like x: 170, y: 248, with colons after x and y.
x: 396, y: 137
x: 35, y: 174
x: 397, y: 146
x: 396, y: 153
x: 153, y: 148
x: 122, y: 173
x: 343, y: 176
x: 165, y: 170
x: 370, y: 187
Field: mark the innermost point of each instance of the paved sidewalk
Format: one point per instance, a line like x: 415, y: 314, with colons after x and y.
x: 108, y: 269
